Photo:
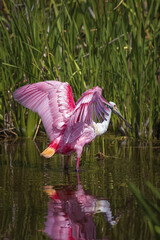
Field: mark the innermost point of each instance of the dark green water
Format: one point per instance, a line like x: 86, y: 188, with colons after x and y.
x: 40, y: 200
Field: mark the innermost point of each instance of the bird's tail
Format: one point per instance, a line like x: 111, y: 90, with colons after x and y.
x: 51, y: 149
x: 48, y: 152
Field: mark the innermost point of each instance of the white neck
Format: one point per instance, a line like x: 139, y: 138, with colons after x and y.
x: 101, y: 128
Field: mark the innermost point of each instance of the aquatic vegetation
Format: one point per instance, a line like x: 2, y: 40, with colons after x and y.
x: 86, y: 43
x: 151, y: 208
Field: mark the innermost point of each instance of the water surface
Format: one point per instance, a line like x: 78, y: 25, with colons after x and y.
x: 40, y: 200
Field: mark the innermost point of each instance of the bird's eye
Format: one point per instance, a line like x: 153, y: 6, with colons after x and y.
x: 115, y: 107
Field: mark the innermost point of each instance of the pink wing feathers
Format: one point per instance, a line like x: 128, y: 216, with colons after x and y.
x: 54, y: 103
x: 52, y: 100
x: 90, y: 106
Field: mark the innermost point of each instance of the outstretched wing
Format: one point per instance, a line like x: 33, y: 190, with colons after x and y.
x: 90, y: 106
x: 52, y: 100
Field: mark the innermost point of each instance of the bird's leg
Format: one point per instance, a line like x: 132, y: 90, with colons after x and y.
x: 78, y: 179
x: 77, y: 165
x: 66, y: 165
x: 79, y: 152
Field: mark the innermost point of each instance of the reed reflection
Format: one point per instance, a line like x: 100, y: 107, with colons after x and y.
x: 70, y: 213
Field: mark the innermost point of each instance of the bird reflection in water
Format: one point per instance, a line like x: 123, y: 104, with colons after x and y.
x: 70, y: 213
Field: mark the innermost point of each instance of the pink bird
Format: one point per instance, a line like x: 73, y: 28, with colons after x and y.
x: 68, y: 126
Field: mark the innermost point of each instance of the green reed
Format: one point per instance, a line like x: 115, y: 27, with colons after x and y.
x: 150, y: 207
x: 86, y: 44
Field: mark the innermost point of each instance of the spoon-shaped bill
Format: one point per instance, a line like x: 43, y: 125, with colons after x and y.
x: 120, y: 115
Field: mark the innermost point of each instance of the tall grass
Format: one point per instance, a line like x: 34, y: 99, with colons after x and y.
x: 150, y: 207
x: 85, y: 43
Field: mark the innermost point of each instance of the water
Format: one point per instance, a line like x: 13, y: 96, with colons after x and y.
x: 40, y: 200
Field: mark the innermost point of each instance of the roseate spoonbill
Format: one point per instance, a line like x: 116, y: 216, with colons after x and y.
x: 68, y: 126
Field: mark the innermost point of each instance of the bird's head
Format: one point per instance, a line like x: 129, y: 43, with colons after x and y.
x: 115, y: 110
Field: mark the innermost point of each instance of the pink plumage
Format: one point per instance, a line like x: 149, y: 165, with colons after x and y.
x: 68, y: 126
